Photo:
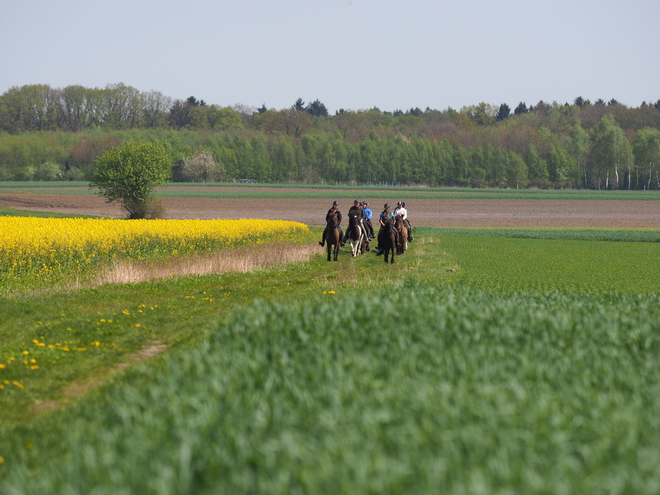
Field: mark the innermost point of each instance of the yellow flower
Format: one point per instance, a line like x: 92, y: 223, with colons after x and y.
x: 62, y: 245
x: 17, y: 384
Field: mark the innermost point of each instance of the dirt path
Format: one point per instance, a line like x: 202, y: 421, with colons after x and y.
x: 429, y: 212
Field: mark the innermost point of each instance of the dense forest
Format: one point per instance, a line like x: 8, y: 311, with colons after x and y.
x: 57, y: 134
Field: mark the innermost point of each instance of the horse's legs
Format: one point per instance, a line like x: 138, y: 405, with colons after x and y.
x: 337, y: 234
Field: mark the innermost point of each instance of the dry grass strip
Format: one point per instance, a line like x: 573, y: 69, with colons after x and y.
x: 243, y: 259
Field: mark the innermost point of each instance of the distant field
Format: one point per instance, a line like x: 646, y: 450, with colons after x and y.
x: 436, y: 207
x: 239, y: 190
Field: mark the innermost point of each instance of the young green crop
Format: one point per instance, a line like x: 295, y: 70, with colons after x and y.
x: 417, y: 390
x: 514, y: 264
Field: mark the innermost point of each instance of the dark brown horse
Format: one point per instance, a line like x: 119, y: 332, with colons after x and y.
x: 387, y: 241
x: 402, y: 228
x: 333, y: 236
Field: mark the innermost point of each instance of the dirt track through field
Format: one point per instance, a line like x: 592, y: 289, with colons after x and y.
x: 429, y: 212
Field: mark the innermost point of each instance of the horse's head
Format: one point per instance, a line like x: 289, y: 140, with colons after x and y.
x: 333, y: 220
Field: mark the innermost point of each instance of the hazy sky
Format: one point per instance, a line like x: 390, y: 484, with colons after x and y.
x: 351, y: 54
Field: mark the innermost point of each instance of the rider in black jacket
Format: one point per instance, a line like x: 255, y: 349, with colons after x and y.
x: 355, y: 218
x: 334, y: 210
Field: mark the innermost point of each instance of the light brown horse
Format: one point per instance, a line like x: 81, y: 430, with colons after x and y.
x: 401, y: 226
x: 333, y: 236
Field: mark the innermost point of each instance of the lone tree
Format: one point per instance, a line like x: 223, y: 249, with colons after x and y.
x: 129, y: 173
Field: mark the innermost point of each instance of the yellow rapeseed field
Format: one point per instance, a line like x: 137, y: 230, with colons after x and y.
x: 40, y: 247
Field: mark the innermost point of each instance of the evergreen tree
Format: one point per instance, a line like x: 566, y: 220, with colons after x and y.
x: 503, y: 112
x: 299, y: 105
x: 317, y: 109
x: 520, y: 109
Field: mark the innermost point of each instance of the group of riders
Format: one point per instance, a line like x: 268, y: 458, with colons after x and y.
x: 360, y: 216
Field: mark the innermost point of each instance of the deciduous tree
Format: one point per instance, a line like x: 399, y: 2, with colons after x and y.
x: 200, y: 167
x: 610, y: 151
x: 646, y: 148
x: 129, y: 173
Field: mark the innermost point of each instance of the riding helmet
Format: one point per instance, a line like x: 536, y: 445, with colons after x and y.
x: 398, y: 203
x: 387, y: 205
x: 335, y: 203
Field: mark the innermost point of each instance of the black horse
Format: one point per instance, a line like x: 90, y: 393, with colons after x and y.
x: 333, y: 236
x: 387, y: 242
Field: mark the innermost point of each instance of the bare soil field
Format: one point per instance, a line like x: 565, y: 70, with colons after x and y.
x: 427, y: 212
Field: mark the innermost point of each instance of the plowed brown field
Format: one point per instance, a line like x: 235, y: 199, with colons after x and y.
x: 429, y: 212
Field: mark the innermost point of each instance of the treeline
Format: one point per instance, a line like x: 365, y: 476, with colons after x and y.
x: 55, y: 134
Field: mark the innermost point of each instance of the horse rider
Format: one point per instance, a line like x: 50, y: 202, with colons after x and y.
x: 334, y: 210
x: 355, y: 213
x: 400, y: 211
x: 366, y: 218
x: 386, y: 221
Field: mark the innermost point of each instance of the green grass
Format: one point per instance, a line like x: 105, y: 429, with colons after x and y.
x: 543, y: 265
x: 482, y: 361
x: 556, y: 233
x: 13, y: 212
x: 173, y: 311
x: 483, y: 393
x: 41, y: 184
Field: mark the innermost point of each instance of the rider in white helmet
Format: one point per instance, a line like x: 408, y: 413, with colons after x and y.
x: 401, y: 211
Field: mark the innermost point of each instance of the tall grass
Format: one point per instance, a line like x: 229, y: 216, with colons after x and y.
x: 417, y: 390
